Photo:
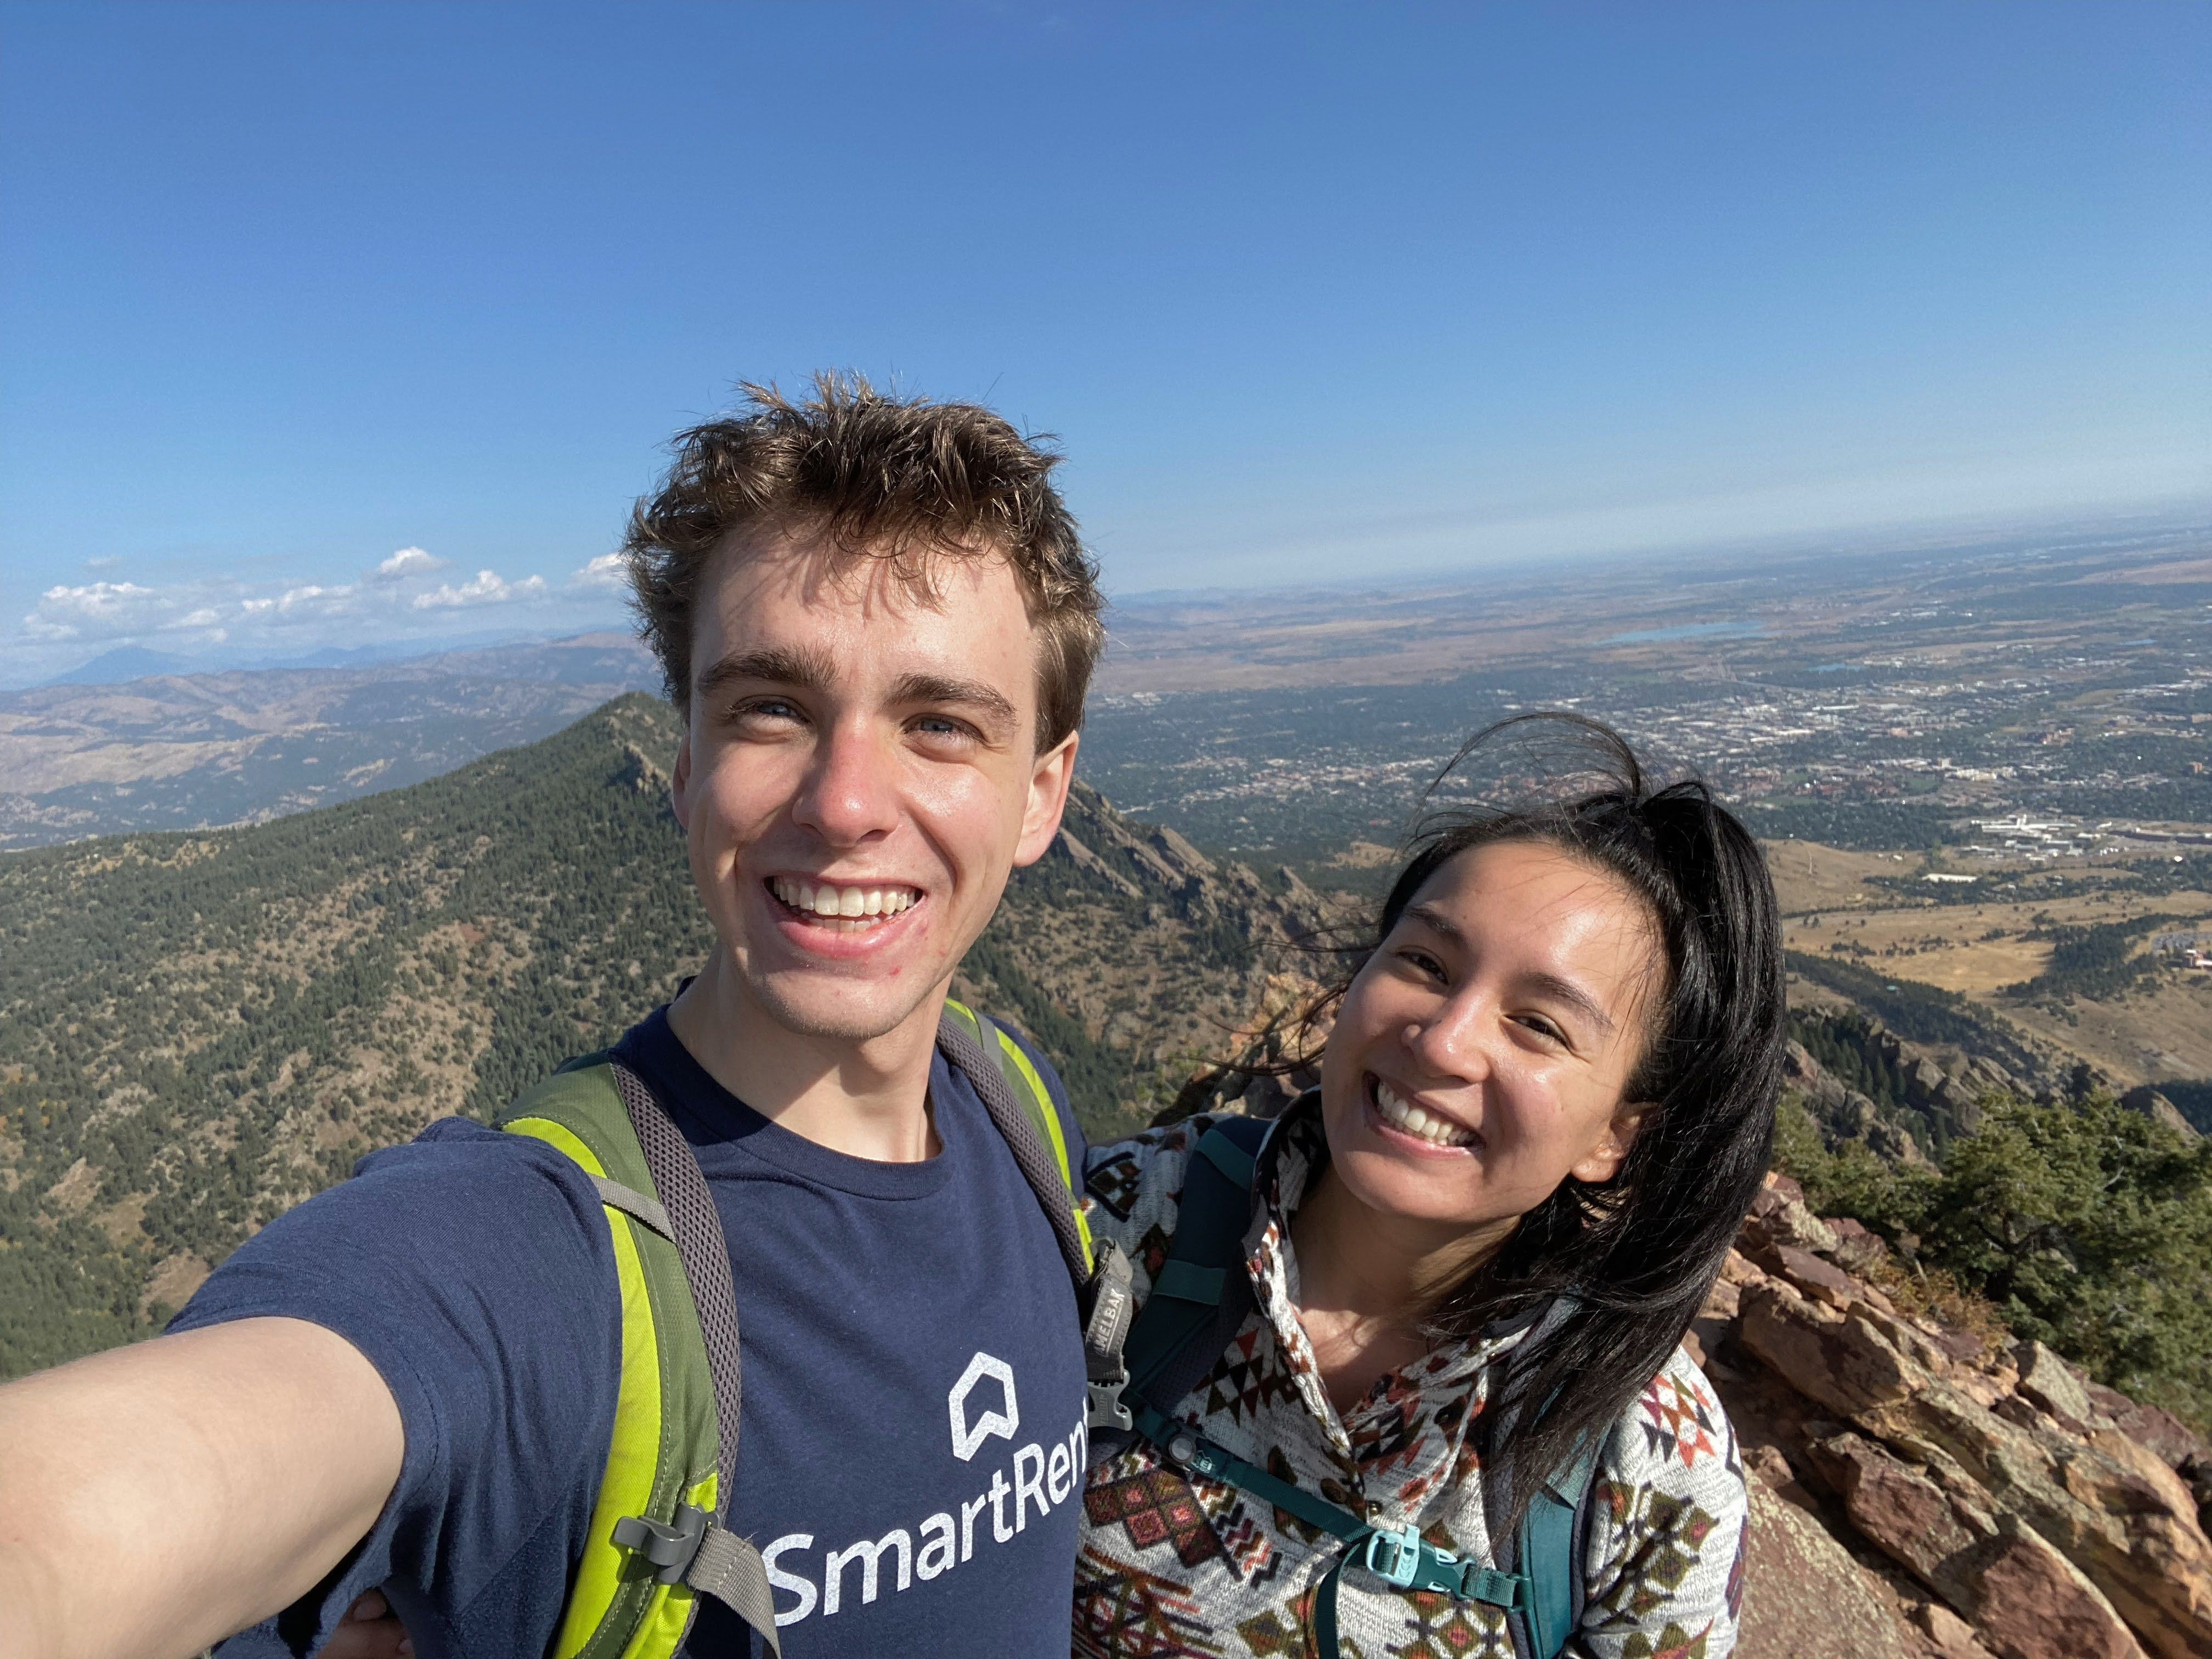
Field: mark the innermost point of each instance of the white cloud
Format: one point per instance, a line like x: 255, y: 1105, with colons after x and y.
x: 96, y: 610
x: 608, y: 570
x: 397, y: 598
x: 408, y: 561
x: 487, y: 587
x: 103, y: 562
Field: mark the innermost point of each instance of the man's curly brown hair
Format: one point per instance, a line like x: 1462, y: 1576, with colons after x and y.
x: 877, y: 476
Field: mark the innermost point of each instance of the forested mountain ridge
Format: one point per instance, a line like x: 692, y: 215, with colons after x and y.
x: 199, y: 1029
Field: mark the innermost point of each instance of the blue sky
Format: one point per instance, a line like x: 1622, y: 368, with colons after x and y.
x: 291, y: 295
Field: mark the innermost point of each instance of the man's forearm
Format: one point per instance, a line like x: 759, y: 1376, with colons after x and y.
x: 157, y: 1498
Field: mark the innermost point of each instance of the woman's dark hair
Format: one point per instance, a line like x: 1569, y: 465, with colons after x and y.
x: 1636, y: 1256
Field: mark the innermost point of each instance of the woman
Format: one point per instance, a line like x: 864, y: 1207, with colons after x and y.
x: 1468, y: 1260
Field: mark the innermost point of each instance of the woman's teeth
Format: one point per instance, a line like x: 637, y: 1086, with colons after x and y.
x: 846, y: 902
x: 1413, y: 1120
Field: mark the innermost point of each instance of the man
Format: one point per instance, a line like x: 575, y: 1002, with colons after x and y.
x: 878, y: 623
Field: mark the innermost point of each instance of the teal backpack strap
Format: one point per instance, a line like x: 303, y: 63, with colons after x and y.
x: 1548, y: 1551
x: 1202, y: 1286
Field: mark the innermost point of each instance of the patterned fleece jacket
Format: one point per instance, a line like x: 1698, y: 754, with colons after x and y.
x: 1174, y: 1563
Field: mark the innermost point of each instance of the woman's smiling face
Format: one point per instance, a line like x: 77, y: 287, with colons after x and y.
x: 1481, y: 1055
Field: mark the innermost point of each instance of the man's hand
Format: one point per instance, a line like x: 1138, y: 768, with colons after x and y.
x: 157, y: 1498
x: 371, y: 1630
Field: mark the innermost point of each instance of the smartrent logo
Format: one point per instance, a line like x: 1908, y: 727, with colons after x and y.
x: 967, y: 1437
x: 982, y: 1406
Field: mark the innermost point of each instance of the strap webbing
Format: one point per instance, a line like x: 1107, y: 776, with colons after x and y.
x: 1186, y: 1281
x: 696, y: 1227
x: 635, y: 1204
x: 1546, y: 1553
x: 731, y: 1570
x: 1398, y: 1555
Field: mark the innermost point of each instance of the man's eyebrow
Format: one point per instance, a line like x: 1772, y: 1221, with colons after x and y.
x: 778, y: 665
x: 1544, y: 984
x: 943, y: 689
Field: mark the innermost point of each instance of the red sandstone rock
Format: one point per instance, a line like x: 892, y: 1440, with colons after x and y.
x: 1954, y: 1637
x: 1805, y: 1597
x: 2049, y: 1517
x: 1820, y: 1280
x: 2051, y: 1384
x: 2036, y: 1604
x: 2023, y: 1597
x: 1838, y: 1359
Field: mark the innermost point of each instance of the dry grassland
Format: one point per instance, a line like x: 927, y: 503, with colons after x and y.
x: 1979, y: 949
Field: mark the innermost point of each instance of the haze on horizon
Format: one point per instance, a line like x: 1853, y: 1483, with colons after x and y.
x: 335, y: 326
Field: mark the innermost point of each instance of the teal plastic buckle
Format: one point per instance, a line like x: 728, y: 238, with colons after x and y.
x: 1394, y: 1555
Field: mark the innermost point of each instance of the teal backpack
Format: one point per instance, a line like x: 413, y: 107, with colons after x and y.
x: 1199, y: 1299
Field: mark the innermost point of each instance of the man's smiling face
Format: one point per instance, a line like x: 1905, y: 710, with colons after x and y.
x: 858, y: 776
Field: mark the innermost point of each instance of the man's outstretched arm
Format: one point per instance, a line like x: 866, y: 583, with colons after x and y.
x: 157, y: 1498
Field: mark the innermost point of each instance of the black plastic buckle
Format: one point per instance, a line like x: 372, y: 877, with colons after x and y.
x: 669, y: 1549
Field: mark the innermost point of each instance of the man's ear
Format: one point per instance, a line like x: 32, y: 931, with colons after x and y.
x: 679, y: 780
x: 1050, y: 780
x: 1603, y: 1161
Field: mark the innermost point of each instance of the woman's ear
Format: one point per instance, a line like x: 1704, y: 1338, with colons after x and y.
x: 1603, y: 1161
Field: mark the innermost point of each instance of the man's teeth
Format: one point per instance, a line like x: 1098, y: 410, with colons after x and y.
x: 827, y: 900
x: 1414, y: 1122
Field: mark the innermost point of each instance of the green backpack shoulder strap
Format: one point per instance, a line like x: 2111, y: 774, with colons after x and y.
x: 654, y: 1544
x: 987, y: 1054
x: 1019, y: 1105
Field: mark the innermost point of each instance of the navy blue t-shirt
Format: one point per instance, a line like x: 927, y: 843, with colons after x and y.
x: 911, y: 1447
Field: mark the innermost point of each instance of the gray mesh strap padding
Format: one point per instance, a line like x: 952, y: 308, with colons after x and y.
x: 635, y: 1205
x: 696, y: 1230
x: 730, y: 1571
x: 1035, y: 1158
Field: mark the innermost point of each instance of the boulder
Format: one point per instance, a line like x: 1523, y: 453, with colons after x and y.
x: 2129, y: 1529
x: 1819, y: 1280
x: 1804, y: 1597
x: 1952, y: 1637
x: 2024, y: 1599
x: 1859, y: 1249
x: 1838, y: 1360
x: 2156, y: 1431
x: 2049, y: 1383
x: 1779, y: 1218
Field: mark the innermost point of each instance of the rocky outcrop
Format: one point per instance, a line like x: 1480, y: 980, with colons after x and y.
x: 1925, y: 1095
x: 1988, y: 1498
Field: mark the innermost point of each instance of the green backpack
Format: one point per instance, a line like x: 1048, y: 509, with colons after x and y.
x: 655, y: 1544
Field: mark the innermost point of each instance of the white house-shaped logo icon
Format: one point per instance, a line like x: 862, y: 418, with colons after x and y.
x: 970, y: 1433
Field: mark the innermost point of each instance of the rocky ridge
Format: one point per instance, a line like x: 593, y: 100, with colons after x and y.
x: 1926, y: 1492
x: 1937, y: 1092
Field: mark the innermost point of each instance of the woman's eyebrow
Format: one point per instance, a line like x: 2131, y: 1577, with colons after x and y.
x: 1544, y: 984
x: 1574, y: 996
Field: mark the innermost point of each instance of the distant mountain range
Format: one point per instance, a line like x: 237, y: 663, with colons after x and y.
x: 163, y: 750
x: 199, y: 1029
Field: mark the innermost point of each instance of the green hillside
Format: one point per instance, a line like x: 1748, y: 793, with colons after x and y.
x: 199, y: 1029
